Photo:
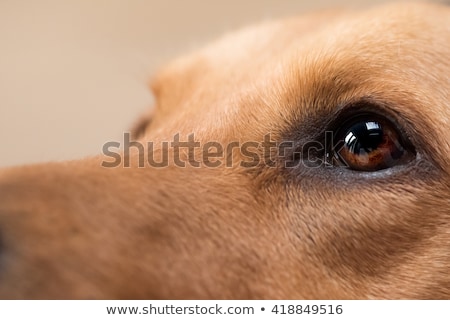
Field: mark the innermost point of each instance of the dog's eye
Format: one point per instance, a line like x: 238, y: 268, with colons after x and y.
x: 370, y: 143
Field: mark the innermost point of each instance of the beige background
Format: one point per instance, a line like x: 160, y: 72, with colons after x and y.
x: 73, y: 74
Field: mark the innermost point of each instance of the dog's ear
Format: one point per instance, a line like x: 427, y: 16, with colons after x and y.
x: 140, y: 126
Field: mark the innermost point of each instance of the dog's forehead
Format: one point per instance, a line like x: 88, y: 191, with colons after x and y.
x: 401, y: 34
x: 315, y: 62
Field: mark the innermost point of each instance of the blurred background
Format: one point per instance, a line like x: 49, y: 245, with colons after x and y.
x: 74, y: 73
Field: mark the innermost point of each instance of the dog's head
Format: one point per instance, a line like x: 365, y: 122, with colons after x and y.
x: 302, y: 158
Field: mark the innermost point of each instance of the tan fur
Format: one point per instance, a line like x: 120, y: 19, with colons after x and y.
x: 78, y: 230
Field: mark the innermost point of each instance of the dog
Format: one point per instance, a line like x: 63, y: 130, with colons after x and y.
x: 305, y: 158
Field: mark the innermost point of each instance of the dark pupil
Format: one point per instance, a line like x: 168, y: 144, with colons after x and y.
x: 364, y: 137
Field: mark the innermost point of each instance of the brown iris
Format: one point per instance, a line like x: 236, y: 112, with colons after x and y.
x: 370, y: 143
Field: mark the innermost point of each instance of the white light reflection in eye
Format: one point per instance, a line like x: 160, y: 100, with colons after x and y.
x: 350, y: 138
x: 372, y: 125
